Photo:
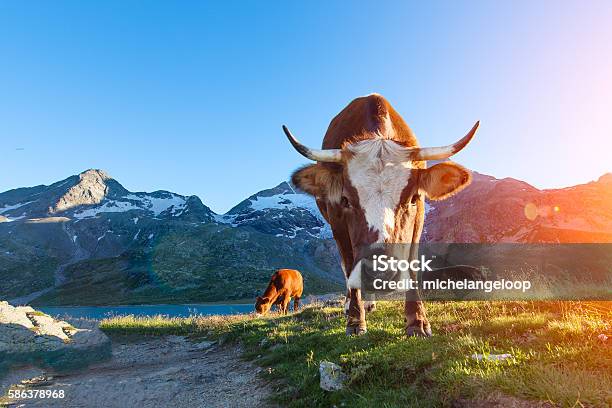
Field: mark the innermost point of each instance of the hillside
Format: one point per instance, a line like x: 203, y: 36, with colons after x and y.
x: 88, y: 240
x: 508, y: 210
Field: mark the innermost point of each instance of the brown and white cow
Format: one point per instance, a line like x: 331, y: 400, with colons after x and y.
x: 369, y: 182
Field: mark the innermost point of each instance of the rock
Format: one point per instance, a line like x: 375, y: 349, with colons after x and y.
x: 203, y: 345
x: 491, y: 357
x: 332, y: 377
x: 29, y: 337
x: 327, y: 300
x: 91, y: 189
x: 17, y: 376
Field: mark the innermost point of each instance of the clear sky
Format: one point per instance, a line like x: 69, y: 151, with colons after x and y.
x: 190, y: 96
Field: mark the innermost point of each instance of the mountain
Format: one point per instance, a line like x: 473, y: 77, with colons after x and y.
x: 88, y: 240
x: 280, y: 211
x: 508, y: 210
x: 94, y: 192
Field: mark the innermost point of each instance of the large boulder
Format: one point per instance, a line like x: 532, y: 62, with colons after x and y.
x: 31, y: 338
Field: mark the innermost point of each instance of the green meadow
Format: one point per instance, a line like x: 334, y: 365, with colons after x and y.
x: 558, y: 354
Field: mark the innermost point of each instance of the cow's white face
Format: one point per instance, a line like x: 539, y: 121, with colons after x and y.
x: 382, y: 179
x: 386, y: 206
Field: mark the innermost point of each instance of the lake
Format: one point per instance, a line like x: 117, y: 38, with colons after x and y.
x: 100, y: 312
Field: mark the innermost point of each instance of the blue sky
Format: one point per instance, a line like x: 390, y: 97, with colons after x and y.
x: 190, y: 96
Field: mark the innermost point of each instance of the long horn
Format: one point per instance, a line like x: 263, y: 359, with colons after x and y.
x: 327, y: 155
x: 443, y: 152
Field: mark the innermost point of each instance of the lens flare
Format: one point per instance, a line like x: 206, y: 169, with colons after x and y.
x: 531, y: 211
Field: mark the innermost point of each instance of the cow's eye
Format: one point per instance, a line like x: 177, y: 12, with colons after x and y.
x: 345, y: 202
x: 414, y: 199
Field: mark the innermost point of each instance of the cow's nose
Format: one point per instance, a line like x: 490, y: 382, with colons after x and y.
x: 366, y: 252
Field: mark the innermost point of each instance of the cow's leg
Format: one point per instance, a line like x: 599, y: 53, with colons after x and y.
x: 279, y: 303
x: 356, y: 323
x: 347, y: 302
x: 285, y: 304
x: 416, y: 319
x: 368, y: 305
x: 296, y: 303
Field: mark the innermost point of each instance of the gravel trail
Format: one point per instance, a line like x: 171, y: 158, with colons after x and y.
x: 154, y: 372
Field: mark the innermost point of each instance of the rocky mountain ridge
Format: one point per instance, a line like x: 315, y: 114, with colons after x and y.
x: 88, y: 240
x: 494, y: 210
x: 93, y: 192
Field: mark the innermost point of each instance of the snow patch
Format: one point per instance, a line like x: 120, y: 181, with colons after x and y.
x: 9, y: 219
x: 222, y: 219
x: 156, y: 205
x: 13, y: 206
x: 428, y: 208
x: 284, y: 202
x: 109, y: 206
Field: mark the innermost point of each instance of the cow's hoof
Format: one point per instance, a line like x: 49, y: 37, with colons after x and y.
x: 418, y: 331
x: 356, y: 331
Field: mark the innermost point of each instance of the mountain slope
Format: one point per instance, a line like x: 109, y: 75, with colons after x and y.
x: 94, y: 192
x: 281, y: 211
x: 88, y: 240
x: 509, y: 210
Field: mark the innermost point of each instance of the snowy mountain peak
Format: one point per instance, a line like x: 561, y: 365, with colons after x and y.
x: 281, y: 211
x: 94, y: 192
x: 90, y: 189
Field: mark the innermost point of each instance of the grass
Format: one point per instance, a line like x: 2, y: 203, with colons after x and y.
x: 556, y: 353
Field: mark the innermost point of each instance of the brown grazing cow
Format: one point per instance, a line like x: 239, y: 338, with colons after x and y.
x: 284, y: 285
x: 370, y: 183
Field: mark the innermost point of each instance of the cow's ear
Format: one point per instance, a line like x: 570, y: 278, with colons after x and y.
x: 319, y: 180
x: 444, y: 179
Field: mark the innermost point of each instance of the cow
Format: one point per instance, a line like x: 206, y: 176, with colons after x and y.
x: 284, y: 285
x: 369, y: 181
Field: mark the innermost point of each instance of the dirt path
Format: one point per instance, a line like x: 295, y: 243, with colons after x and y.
x: 159, y: 372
